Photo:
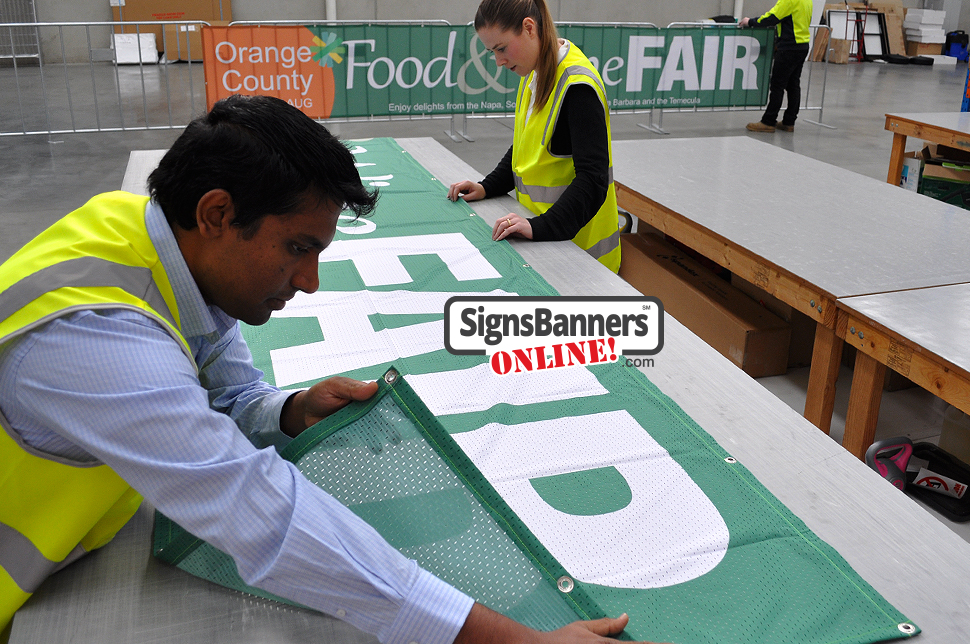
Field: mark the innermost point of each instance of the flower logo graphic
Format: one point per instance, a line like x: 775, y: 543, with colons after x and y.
x: 328, y: 47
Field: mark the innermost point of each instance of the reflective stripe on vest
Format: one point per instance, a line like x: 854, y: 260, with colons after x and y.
x: 26, y: 565
x: 541, y: 177
x: 548, y: 194
x: 81, y: 272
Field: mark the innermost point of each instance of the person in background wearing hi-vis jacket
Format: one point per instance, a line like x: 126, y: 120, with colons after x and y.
x: 560, y: 163
x: 791, y: 19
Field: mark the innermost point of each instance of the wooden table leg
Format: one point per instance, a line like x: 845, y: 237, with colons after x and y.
x: 860, y: 421
x: 826, y: 360
x: 896, y: 159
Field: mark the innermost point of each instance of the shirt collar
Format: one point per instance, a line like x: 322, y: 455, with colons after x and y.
x: 195, y: 316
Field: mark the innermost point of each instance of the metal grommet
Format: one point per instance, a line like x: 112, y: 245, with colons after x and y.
x: 861, y: 335
x: 525, y: 266
x: 908, y: 629
x: 390, y: 377
x: 852, y: 330
x: 811, y: 303
x: 565, y: 584
x: 731, y: 460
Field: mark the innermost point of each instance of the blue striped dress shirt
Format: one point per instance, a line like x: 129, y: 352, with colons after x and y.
x: 113, y: 386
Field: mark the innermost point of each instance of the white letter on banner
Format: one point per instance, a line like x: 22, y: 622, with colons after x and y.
x: 731, y: 62
x: 378, y: 260
x: 709, y: 68
x: 350, y: 341
x: 479, y: 388
x: 446, y: 72
x: 612, y: 65
x: 352, y: 58
x: 669, y: 533
x: 681, y: 49
x: 638, y: 62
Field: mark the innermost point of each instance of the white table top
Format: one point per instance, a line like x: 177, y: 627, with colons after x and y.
x: 122, y: 595
x: 936, y: 319
x: 955, y: 121
x: 842, y: 232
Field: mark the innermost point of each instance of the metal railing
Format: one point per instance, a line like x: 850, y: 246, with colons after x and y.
x: 805, y: 107
x: 91, y: 92
x: 94, y: 94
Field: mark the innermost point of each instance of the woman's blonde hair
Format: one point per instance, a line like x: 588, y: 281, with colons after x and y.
x: 508, y: 15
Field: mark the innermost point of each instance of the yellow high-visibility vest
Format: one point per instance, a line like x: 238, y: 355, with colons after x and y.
x: 541, y: 177
x: 54, y: 510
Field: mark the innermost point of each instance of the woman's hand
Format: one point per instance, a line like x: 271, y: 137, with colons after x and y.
x: 467, y: 190
x: 511, y: 225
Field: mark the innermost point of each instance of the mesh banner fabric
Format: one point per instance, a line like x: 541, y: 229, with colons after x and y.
x: 548, y: 497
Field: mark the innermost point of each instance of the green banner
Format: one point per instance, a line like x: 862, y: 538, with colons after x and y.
x: 619, y: 500
x: 406, y: 69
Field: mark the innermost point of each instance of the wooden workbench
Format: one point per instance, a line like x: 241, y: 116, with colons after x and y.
x: 948, y: 128
x: 804, y: 231
x: 922, y: 334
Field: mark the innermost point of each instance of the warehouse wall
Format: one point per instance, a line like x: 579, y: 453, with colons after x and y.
x: 659, y: 12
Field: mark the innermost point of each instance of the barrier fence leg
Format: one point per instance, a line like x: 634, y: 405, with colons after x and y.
x: 460, y: 136
x: 821, y: 103
x: 658, y: 128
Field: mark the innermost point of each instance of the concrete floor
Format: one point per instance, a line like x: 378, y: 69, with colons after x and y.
x: 43, y: 177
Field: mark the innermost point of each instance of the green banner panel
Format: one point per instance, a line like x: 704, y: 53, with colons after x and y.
x: 618, y: 500
x: 393, y: 69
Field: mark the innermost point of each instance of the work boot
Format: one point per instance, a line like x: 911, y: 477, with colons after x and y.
x: 785, y: 127
x: 758, y: 126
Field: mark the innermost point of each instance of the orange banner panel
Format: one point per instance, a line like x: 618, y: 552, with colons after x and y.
x: 288, y: 62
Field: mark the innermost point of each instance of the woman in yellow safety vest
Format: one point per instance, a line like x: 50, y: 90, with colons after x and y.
x: 561, y: 162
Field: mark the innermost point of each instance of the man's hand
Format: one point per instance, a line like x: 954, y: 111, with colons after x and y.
x: 484, y: 626
x: 467, y: 190
x: 744, y: 22
x: 306, y: 408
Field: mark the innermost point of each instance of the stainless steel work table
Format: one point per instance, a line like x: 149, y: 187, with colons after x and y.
x: 805, y: 231
x: 121, y: 595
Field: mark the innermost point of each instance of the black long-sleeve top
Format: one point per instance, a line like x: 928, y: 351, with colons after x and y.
x: 580, y: 132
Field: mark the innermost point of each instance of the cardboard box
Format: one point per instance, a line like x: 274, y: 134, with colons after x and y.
x: 154, y: 10
x: 923, y: 48
x: 912, y: 169
x: 802, y: 327
x: 749, y: 335
x: 184, y: 42
x: 127, y: 47
x: 839, y: 51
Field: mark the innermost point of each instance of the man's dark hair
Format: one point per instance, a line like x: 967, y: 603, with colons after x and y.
x: 269, y: 157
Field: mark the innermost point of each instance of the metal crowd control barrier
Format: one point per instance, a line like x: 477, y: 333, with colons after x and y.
x: 70, y: 96
x: 73, y: 94
x: 658, y: 126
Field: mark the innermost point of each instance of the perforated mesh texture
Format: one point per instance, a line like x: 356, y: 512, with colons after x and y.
x: 383, y: 465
